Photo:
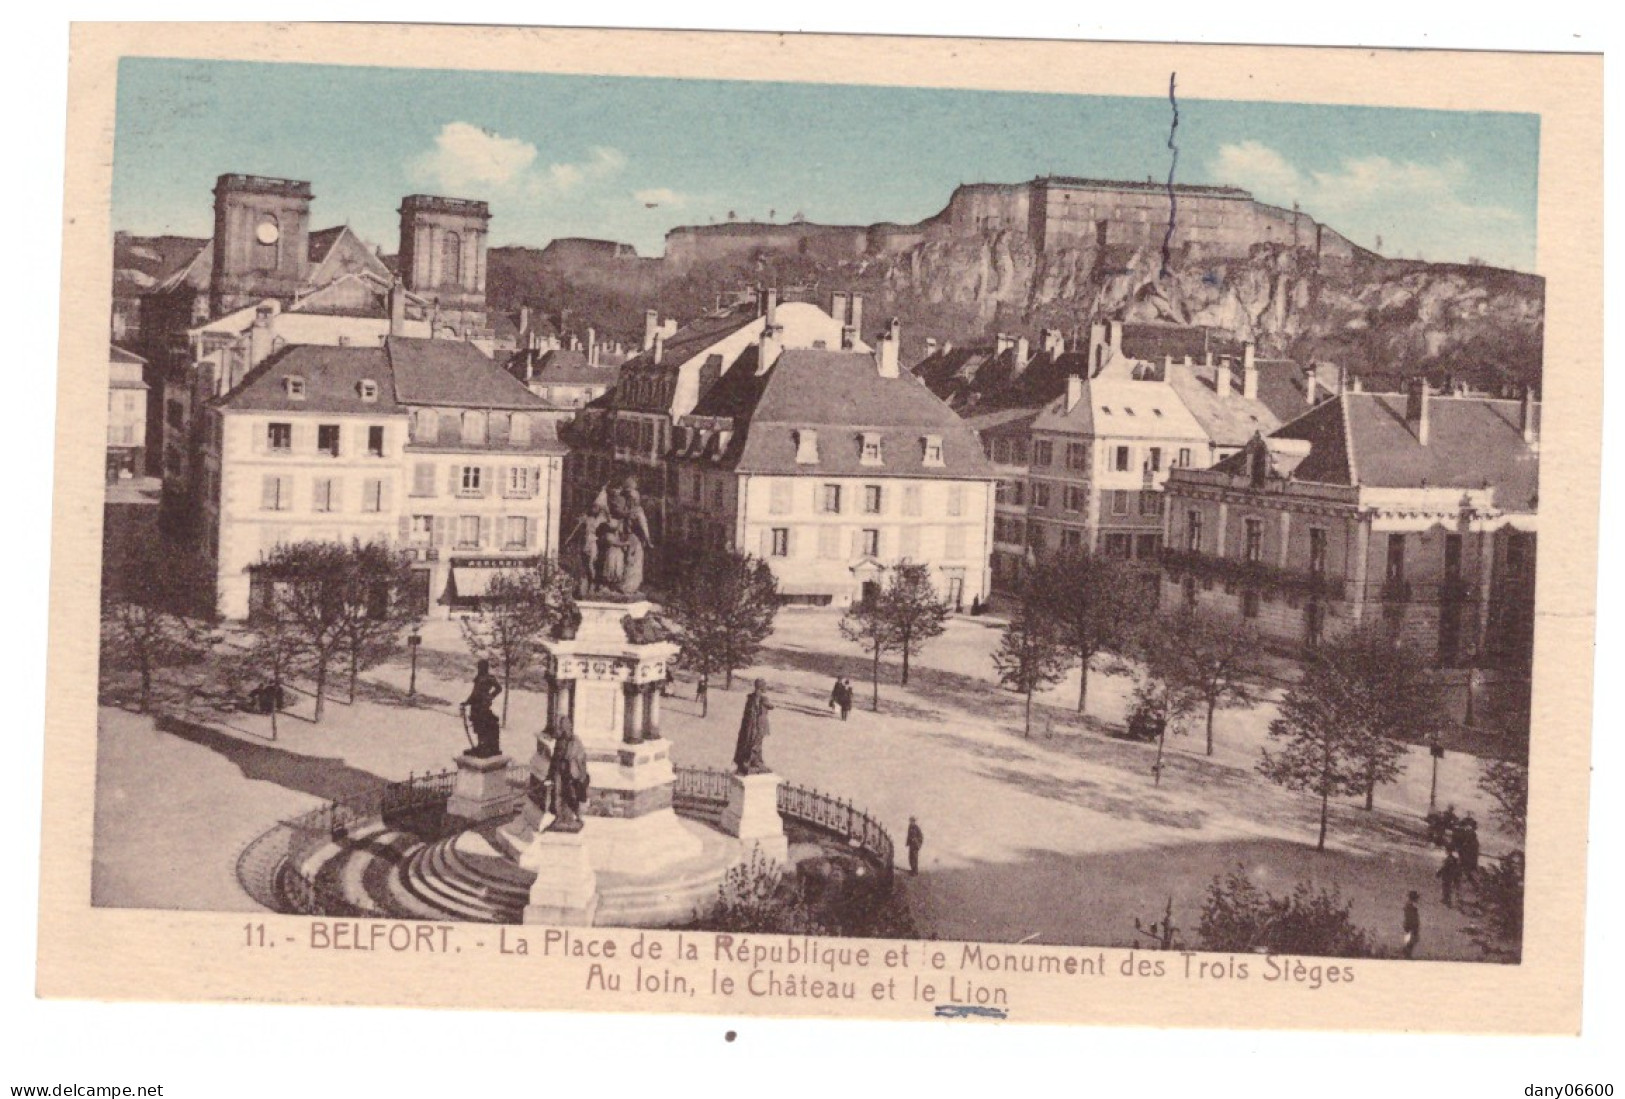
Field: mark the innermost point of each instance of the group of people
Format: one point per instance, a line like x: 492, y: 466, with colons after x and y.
x: 1460, y: 854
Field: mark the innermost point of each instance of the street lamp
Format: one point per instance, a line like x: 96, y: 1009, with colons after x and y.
x: 412, y: 642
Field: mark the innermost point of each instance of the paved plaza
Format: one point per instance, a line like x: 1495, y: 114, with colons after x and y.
x: 1060, y: 838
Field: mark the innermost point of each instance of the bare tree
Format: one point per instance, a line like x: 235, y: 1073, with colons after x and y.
x: 866, y: 625
x: 1093, y: 602
x: 905, y: 614
x: 1209, y: 660
x: 519, y: 609
x: 722, y: 604
x: 375, y: 611
x: 156, y: 600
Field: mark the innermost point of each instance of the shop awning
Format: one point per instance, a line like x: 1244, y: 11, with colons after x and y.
x: 472, y: 583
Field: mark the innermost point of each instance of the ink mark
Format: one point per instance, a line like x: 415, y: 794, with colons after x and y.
x: 1173, y: 200
x: 964, y: 1011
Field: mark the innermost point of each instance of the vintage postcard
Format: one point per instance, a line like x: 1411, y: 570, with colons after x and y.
x: 887, y: 528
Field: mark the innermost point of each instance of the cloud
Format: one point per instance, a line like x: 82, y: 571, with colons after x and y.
x: 1415, y: 209
x: 467, y: 157
x: 659, y: 196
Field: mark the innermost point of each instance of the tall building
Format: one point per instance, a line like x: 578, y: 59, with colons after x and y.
x: 1415, y: 509
x: 424, y: 444
x: 126, y: 415
x: 442, y: 258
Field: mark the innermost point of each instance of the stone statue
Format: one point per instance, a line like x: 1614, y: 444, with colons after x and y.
x: 477, y: 711
x: 567, y: 772
x: 615, y: 541
x: 752, y: 732
x: 626, y: 509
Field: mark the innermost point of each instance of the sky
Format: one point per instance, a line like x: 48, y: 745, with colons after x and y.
x: 628, y: 158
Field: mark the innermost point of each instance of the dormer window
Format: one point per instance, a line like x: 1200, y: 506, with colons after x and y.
x: 295, y: 386
x: 869, y: 455
x: 368, y: 390
x: 806, y: 447
x: 933, y: 450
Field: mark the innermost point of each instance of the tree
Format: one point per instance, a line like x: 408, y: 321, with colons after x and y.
x: 721, y: 605
x: 1031, y: 653
x: 1238, y: 917
x: 1207, y: 660
x: 156, y: 600
x: 1094, y: 603
x: 1337, y: 724
x: 1398, y: 700
x: 520, y: 607
x: 906, y: 614
x: 321, y: 594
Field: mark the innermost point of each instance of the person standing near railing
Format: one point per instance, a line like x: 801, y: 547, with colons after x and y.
x: 915, y: 841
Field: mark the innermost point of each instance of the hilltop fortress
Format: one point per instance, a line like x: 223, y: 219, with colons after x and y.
x: 1054, y: 212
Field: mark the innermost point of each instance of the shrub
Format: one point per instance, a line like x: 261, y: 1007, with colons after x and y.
x: 1238, y: 916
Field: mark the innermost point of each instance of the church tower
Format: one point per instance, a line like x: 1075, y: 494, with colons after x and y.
x: 442, y: 258
x: 261, y: 240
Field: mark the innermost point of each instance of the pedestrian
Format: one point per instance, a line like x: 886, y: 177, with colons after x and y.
x: 666, y: 684
x: 699, y: 690
x: 841, y: 697
x: 1413, y: 923
x: 1467, y: 847
x: 915, y: 841
x: 1450, y: 876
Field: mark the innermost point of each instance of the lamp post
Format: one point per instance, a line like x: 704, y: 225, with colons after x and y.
x: 412, y: 642
x: 1436, y: 750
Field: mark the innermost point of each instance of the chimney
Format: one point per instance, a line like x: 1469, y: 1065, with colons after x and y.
x: 397, y: 308
x: 524, y: 323
x: 1526, y: 417
x: 1416, y: 409
x: 849, y: 338
x: 1249, y: 373
x: 889, y: 345
x: 651, y: 323
x: 837, y: 306
x: 1221, y: 380
x: 1001, y: 343
x: 770, y: 309
x: 592, y: 347
x: 1097, y: 347
x: 1054, y: 343
x: 1114, y: 336
x: 259, y: 337
x: 658, y: 351
x: 1023, y: 353
x: 1074, y: 391
x: 855, y: 313
x: 930, y: 346
x: 769, y: 347
x: 1356, y: 386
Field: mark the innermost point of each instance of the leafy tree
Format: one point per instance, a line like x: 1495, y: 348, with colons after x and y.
x: 1031, y: 654
x: 1339, y: 725
x: 1205, y: 660
x: 520, y: 608
x: 1507, y: 784
x: 722, y: 604
x: 1094, y: 603
x: 156, y: 600
x: 1159, y: 700
x: 1497, y: 902
x: 1239, y: 917
x: 332, y: 600
x: 906, y: 614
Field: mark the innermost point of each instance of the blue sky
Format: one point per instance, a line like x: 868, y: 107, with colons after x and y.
x: 628, y: 158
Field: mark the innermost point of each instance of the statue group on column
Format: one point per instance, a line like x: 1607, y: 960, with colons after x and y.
x: 615, y: 541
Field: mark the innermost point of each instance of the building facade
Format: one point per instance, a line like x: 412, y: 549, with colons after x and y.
x: 422, y: 444
x: 126, y: 415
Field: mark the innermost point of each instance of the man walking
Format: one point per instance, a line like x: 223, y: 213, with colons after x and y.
x: 915, y: 841
x: 1413, y: 923
x: 1450, y: 875
x: 841, y: 697
x: 1467, y: 847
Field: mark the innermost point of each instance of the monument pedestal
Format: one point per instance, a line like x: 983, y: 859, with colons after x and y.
x: 480, y: 792
x: 565, y: 892
x: 752, y: 814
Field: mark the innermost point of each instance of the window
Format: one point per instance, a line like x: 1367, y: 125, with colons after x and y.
x: 375, y: 442
x: 832, y: 499
x: 279, y: 436
x: 871, y: 499
x: 806, y: 447
x: 1153, y: 460
x: 1184, y: 457
x: 956, y: 499
x: 295, y: 386
x: 1071, y: 539
x: 1146, y: 546
x: 933, y: 450
x: 871, y: 543
x: 521, y: 481
x: 451, y: 260
x: 1317, y: 551
x: 1150, y: 504
x: 781, y: 542
x: 911, y: 500
x: 423, y: 479
x: 779, y: 498
x: 1040, y: 494
x: 325, y: 495
x: 1043, y: 452
x: 372, y: 495
x: 1119, y: 502
x: 327, y: 439
x: 1001, y: 451
x: 870, y: 455
x: 515, y: 533
x: 1452, y: 558
x: 276, y: 493
x: 1396, y: 557
x: 422, y: 530
x: 470, y: 481
x: 1255, y: 540
x: 368, y: 390
x: 473, y: 429
x: 426, y: 426
x: 1193, y: 531
x: 1118, y: 545
x: 1018, y: 493
x: 1120, y: 461
x: 1249, y: 603
x: 1077, y: 456
x: 468, y: 532
x: 175, y: 413
x: 953, y: 543
x: 1076, y: 497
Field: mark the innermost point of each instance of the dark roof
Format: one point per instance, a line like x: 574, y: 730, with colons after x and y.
x: 840, y: 394
x: 119, y: 355
x: 560, y: 366
x: 1282, y: 386
x: 696, y: 336
x: 1473, y: 442
x: 322, y: 241
x: 455, y: 373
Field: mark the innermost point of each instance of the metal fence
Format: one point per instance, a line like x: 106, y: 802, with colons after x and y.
x: 416, y: 792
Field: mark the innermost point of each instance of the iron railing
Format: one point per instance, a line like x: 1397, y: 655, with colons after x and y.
x: 416, y: 792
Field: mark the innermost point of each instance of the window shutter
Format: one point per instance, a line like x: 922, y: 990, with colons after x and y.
x: 487, y: 537
x: 258, y: 435
x: 499, y: 487
x: 386, y: 495
x: 488, y: 480
x: 790, y: 542
x: 440, y: 523
x: 535, y: 480
x: 527, y: 533
x: 455, y: 481
x: 767, y: 542
x: 405, y: 526
x: 857, y: 543
x: 268, y: 486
